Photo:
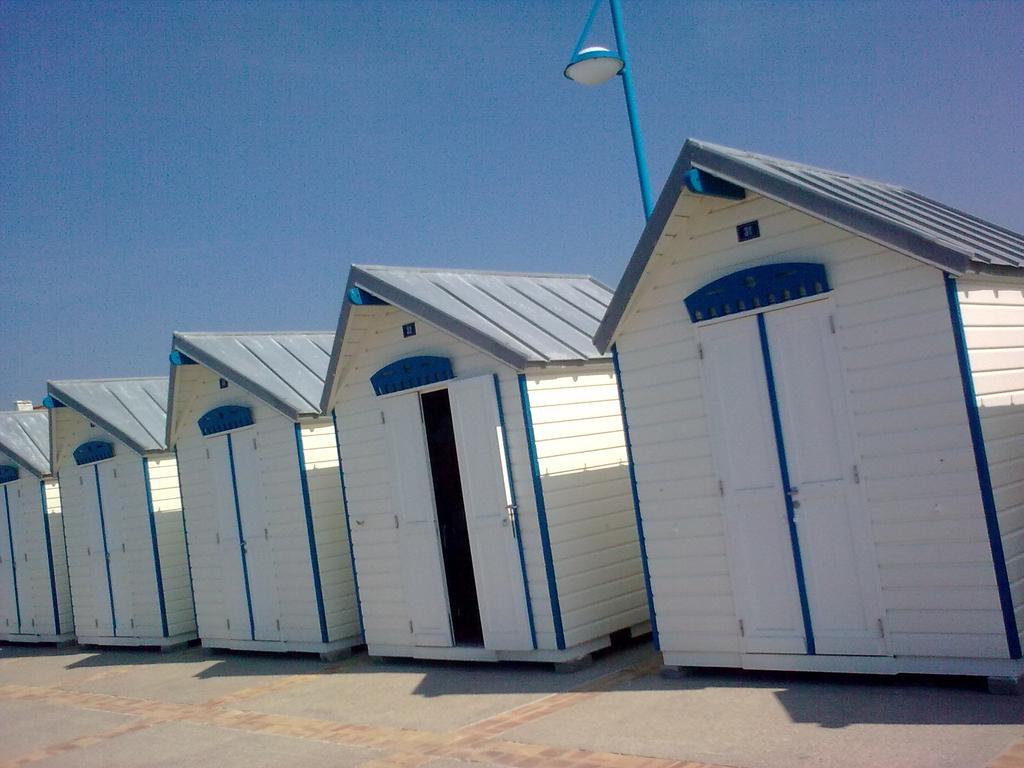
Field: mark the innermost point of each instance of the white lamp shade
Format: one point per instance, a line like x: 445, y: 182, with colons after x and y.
x: 594, y: 65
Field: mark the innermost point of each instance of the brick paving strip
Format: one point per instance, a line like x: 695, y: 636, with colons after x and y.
x: 403, y: 748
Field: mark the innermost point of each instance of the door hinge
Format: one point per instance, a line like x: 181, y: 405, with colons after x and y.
x: 96, y: 622
x: 131, y: 622
x: 743, y: 632
x: 254, y: 443
x: 396, y: 521
x: 218, y: 536
x: 278, y: 625
x: 881, y: 628
x: 856, y: 474
x: 383, y: 419
x: 832, y: 324
x: 80, y: 480
x: 411, y: 630
x: 88, y: 551
x: 700, y: 351
x: 123, y: 548
x: 207, y: 454
x: 266, y: 534
x: 114, y: 470
x: 228, y: 622
x: 721, y: 488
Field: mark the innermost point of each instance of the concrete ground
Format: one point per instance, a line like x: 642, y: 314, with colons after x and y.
x: 80, y: 709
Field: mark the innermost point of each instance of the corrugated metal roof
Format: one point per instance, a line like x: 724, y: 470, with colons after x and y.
x: 133, y: 410
x: 25, y: 437
x: 286, y: 369
x: 519, y: 318
x: 894, y: 216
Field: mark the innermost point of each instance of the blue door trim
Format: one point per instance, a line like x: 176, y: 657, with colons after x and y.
x: 241, y: 537
x: 780, y: 446
x: 106, y: 549
x: 184, y: 532
x: 636, y: 500
x: 988, y: 500
x: 49, y: 557
x: 542, y: 514
x: 14, y: 560
x: 348, y: 527
x: 515, y: 506
x: 156, y: 548
x: 311, y: 534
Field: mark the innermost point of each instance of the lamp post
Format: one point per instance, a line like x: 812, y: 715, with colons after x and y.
x: 595, y: 65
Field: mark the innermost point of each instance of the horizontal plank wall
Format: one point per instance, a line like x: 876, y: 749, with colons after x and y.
x: 55, y: 518
x: 166, y: 498
x: 321, y: 457
x: 903, y: 384
x: 577, y: 426
x: 993, y: 317
x: 374, y: 336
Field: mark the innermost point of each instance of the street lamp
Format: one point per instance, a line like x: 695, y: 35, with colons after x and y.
x: 596, y: 65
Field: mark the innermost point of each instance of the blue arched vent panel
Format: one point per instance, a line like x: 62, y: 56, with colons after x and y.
x: 93, y: 451
x: 411, y: 372
x: 225, y: 417
x: 755, y: 288
x: 8, y: 473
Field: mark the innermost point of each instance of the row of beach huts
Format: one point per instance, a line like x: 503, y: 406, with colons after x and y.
x: 792, y: 439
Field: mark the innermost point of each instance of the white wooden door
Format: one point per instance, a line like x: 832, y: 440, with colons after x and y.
x: 256, y: 534
x: 119, y: 544
x: 744, y: 447
x: 233, y: 586
x: 839, y: 561
x: 426, y: 595
x: 479, y: 441
x: 8, y: 564
x: 30, y: 554
x: 95, y: 549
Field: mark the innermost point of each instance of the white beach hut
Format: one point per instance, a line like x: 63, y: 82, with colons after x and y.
x: 35, y: 597
x: 122, y: 512
x: 484, y: 466
x: 259, y: 473
x: 823, y: 382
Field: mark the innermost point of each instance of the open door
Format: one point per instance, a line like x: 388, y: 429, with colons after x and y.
x: 499, y: 580
x: 422, y: 574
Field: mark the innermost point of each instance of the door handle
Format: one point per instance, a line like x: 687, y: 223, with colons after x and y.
x: 792, y: 492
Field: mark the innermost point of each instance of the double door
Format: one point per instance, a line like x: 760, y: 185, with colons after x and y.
x: 244, y: 534
x: 110, y: 542
x: 26, y: 595
x: 489, y: 517
x: 803, y: 566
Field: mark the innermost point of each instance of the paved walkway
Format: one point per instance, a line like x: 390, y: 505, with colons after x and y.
x: 125, y: 708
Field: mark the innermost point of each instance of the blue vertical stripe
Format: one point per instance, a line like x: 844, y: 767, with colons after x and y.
x: 515, y: 507
x: 348, y: 528
x: 988, y: 500
x: 241, y: 537
x: 156, y: 548
x: 780, y: 446
x: 542, y: 515
x: 106, y: 549
x: 311, y: 534
x: 14, y: 561
x: 636, y: 501
x: 49, y: 557
x: 67, y: 560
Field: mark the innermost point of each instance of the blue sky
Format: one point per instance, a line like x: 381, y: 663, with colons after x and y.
x: 218, y: 166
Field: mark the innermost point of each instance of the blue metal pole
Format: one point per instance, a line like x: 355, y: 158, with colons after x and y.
x: 634, y: 122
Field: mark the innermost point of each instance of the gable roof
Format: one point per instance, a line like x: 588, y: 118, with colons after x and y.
x: 25, y: 437
x: 132, y: 410
x: 519, y: 318
x: 893, y: 216
x: 286, y: 370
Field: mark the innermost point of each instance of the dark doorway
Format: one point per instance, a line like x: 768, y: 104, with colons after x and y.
x: 451, y: 518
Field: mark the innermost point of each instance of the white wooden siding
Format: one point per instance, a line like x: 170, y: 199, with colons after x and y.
x: 372, y: 340
x: 903, y: 385
x: 60, y: 560
x: 993, y: 315
x: 581, y: 451
x: 125, y: 509
x: 198, y: 391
